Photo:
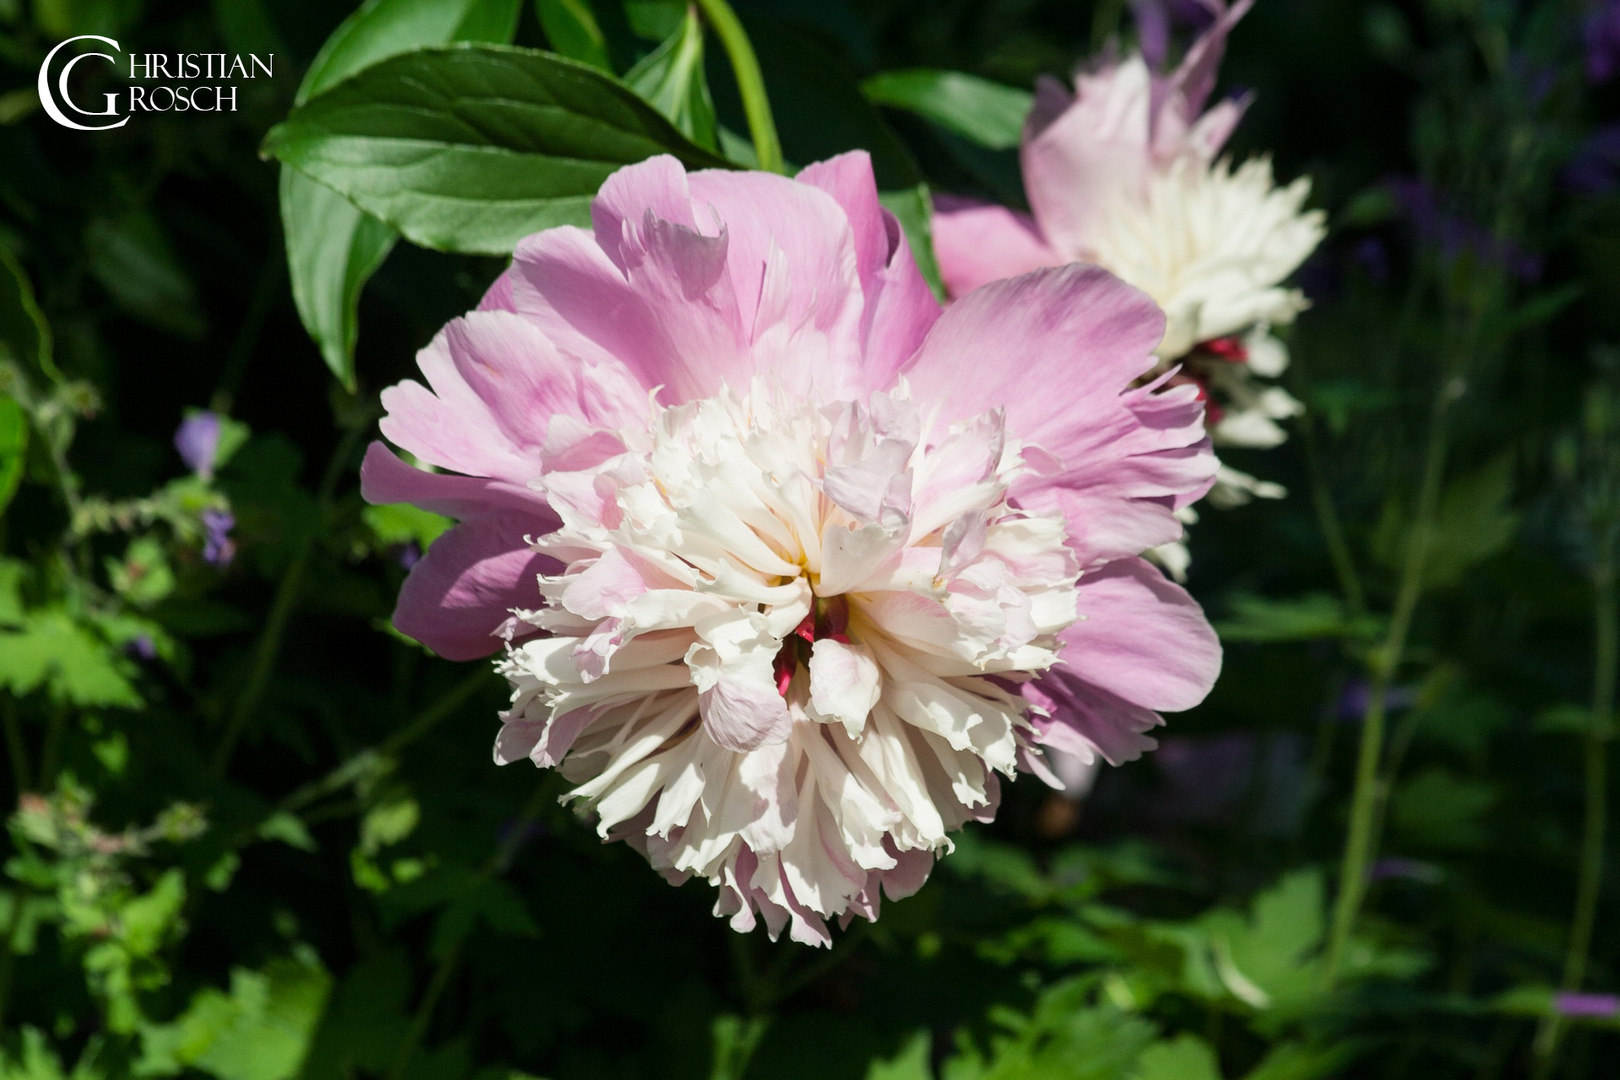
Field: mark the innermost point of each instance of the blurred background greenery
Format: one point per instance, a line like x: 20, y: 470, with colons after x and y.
x: 254, y: 834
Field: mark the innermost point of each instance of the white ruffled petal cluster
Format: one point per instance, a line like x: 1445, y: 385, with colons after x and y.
x: 1211, y: 245
x: 786, y: 644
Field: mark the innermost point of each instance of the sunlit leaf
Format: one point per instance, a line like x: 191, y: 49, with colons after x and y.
x: 333, y: 247
x: 13, y: 448
x: 571, y: 30
x: 985, y: 112
x: 471, y: 148
x: 671, y: 79
x: 914, y: 208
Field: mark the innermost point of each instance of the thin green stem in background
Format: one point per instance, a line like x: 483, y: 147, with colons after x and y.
x: 1327, y: 519
x: 275, y: 624
x: 750, y: 82
x: 15, y: 748
x: 499, y: 861
x: 359, y: 764
x: 1606, y: 634
x: 1361, y: 840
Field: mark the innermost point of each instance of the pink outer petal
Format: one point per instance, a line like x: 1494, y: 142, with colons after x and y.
x: 460, y: 594
x: 386, y: 479
x: 1077, y: 161
x: 794, y: 268
x: 1084, y: 720
x: 900, y: 308
x: 1056, y: 348
x: 1141, y: 638
x: 1073, y: 341
x: 977, y: 243
x: 1189, y: 86
x: 649, y: 289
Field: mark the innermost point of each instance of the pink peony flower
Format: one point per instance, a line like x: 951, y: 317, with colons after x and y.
x: 1124, y: 173
x: 783, y: 565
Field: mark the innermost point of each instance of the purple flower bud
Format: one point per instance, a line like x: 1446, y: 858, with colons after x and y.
x: 1599, y: 1006
x: 218, y: 548
x: 1371, y: 256
x: 1357, y: 695
x: 1595, y: 169
x: 1395, y: 868
x: 1603, y: 42
x: 197, y: 439
x: 410, y: 553
x: 141, y: 648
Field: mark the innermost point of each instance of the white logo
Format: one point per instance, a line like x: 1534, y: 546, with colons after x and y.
x: 49, y: 100
x: 157, y: 83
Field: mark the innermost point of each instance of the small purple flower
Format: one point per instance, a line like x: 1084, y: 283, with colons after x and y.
x: 1454, y: 236
x: 197, y: 439
x: 141, y: 648
x: 1603, y: 42
x: 1596, y: 1006
x: 1595, y: 169
x: 1370, y: 254
x: 1357, y: 695
x: 409, y: 554
x: 1396, y: 868
x: 218, y: 548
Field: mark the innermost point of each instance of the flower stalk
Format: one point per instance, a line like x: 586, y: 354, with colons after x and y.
x: 750, y: 82
x: 1361, y: 840
x: 1606, y: 634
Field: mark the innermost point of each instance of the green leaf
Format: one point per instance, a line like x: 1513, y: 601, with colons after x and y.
x: 671, y: 80
x: 471, y: 148
x: 914, y: 208
x: 333, y: 247
x: 385, y: 28
x: 288, y: 829
x: 143, y: 576
x: 401, y: 523
x: 1292, y: 1061
x: 261, y: 1030
x: 24, y: 333
x: 72, y: 661
x: 13, y: 448
x: 1440, y: 809
x: 132, y: 258
x: 911, y: 1063
x: 388, y: 823
x: 1302, y: 618
x: 1473, y: 522
x: 984, y: 112
x: 571, y: 29
x: 1185, y: 1058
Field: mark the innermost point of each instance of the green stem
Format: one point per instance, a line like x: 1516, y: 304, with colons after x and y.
x: 447, y: 965
x: 359, y: 764
x: 1361, y: 840
x: 50, y: 755
x: 750, y: 82
x: 8, y: 957
x: 1606, y: 631
x: 281, y: 609
x: 15, y: 746
x: 424, y: 1011
x: 1327, y: 519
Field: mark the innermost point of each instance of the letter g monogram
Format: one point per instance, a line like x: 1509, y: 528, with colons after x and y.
x: 49, y: 100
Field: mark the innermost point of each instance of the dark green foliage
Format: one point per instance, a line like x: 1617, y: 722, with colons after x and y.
x: 255, y: 834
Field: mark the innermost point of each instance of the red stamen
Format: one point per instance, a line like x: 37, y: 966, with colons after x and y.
x: 1230, y: 349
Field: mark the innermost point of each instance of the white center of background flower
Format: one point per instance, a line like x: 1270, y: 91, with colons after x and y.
x: 828, y: 591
